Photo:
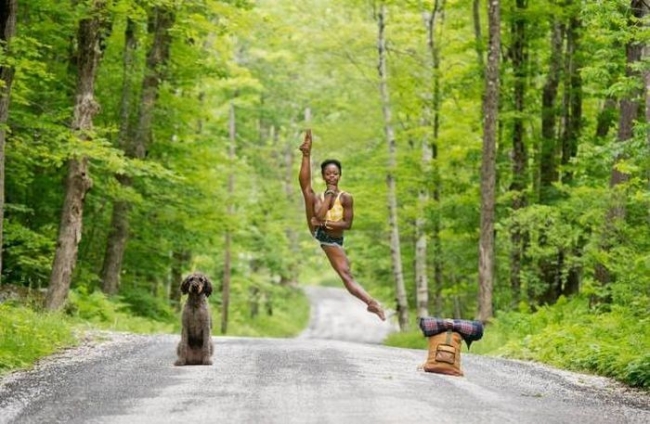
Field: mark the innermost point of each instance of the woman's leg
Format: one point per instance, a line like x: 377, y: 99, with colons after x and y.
x: 309, y: 209
x: 341, y: 265
x: 304, y: 177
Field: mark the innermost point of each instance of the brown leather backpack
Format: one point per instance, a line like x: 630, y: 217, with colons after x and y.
x: 444, y: 354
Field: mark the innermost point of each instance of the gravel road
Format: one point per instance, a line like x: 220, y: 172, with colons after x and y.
x: 335, y: 372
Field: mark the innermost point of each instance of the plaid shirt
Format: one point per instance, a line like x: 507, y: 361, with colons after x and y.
x: 470, y: 331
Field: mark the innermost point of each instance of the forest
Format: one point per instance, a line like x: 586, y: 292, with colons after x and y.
x: 498, y: 152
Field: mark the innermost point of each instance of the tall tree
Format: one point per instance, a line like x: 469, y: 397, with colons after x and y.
x: 572, y: 131
x: 629, y: 107
x: 161, y: 19
x: 7, y: 30
x: 118, y: 232
x: 432, y: 21
x: 646, y: 80
x: 572, y: 109
x: 488, y: 163
x: 548, y: 174
x: 519, y: 55
x: 395, y: 249
x: 230, y: 210
x: 78, y: 180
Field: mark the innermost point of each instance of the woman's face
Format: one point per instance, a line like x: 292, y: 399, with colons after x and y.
x: 331, y: 174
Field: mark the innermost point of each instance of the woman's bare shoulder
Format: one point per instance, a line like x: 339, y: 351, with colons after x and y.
x: 346, y: 196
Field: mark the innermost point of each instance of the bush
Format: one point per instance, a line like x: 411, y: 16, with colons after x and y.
x: 99, y: 311
x: 284, y: 312
x: 413, y: 339
x: 143, y: 304
x: 569, y: 335
x: 26, y: 336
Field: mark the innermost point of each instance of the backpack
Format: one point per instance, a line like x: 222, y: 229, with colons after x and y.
x: 444, y: 354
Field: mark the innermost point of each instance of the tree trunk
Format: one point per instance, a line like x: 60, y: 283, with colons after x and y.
x: 179, y: 260
x: 572, y: 98
x: 628, y: 114
x: 606, y: 117
x: 519, y: 156
x: 646, y: 80
x: 8, y: 10
x: 395, y: 250
x: 488, y: 165
x: 421, y: 244
x: 230, y: 210
x: 571, y: 135
x: 78, y: 181
x: 161, y: 20
x: 548, y: 174
x: 119, y: 229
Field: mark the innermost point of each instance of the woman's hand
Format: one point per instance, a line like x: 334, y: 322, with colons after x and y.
x: 316, y: 222
x: 332, y: 188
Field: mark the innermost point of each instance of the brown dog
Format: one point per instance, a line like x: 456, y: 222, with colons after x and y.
x: 195, y: 347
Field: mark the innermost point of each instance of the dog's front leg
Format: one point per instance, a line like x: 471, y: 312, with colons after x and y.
x: 181, y: 350
x: 205, y: 349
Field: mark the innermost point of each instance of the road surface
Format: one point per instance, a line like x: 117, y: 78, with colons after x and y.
x: 335, y: 372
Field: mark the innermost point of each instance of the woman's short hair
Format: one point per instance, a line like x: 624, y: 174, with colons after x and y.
x: 327, y: 162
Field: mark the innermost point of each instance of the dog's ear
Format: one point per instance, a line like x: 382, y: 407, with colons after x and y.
x: 207, y: 286
x: 185, y: 285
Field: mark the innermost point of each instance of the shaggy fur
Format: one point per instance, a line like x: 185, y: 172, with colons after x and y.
x: 195, y: 347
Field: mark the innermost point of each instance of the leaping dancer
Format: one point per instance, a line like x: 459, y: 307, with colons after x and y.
x: 329, y: 214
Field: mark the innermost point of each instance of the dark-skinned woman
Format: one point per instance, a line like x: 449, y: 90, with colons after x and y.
x: 329, y: 214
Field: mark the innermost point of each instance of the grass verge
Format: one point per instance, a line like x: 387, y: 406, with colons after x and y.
x: 568, y: 335
x: 28, y: 334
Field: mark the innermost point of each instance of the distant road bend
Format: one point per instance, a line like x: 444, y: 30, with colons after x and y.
x: 335, y: 372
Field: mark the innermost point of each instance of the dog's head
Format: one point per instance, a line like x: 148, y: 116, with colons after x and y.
x: 197, y: 283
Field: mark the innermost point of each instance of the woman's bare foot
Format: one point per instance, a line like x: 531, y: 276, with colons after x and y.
x: 376, y: 308
x: 305, y: 147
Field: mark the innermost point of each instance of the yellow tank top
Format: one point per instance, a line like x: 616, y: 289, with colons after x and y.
x: 335, y: 213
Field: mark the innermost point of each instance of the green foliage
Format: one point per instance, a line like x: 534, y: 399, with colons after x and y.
x: 284, y: 312
x: 27, y: 259
x: 142, y: 304
x: 570, y: 335
x: 97, y: 311
x: 273, y: 61
x: 26, y: 336
x: 412, y: 339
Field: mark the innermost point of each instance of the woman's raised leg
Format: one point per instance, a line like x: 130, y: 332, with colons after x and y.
x: 304, y: 177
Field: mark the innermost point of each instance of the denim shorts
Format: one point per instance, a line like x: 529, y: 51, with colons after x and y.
x: 327, y: 240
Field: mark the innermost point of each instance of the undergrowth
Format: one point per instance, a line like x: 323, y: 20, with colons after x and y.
x: 567, y: 335
x: 28, y: 333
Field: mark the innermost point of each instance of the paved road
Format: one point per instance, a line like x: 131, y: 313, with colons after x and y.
x: 131, y: 379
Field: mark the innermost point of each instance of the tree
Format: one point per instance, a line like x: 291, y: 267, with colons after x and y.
x: 78, y: 180
x: 519, y: 55
x: 629, y: 106
x: 395, y: 249
x: 161, y: 21
x: 432, y: 21
x: 118, y: 232
x: 230, y: 208
x: 488, y: 166
x: 7, y: 29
